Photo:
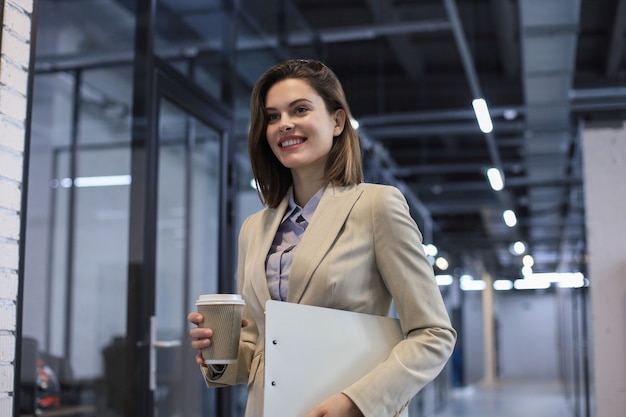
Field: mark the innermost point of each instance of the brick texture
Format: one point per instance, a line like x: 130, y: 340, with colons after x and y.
x: 6, y: 405
x: 14, y: 65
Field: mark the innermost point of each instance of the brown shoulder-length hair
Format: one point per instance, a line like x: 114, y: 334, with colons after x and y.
x: 343, y: 166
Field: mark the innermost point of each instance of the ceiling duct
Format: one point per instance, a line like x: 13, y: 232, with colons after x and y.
x: 548, y: 36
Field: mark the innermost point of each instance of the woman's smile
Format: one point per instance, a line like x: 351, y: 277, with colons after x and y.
x: 300, y: 129
x: 291, y: 141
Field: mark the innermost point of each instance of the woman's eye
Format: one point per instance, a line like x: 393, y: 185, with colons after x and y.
x: 272, y: 117
x: 301, y: 110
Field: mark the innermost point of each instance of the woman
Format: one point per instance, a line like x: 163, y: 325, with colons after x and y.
x: 327, y: 239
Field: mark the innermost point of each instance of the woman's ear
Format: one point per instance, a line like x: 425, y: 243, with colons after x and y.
x: 340, y: 122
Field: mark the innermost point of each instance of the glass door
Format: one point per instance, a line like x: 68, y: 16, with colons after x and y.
x: 187, y: 254
x: 180, y: 244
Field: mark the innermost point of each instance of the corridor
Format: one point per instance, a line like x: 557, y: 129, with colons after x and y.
x: 508, y: 399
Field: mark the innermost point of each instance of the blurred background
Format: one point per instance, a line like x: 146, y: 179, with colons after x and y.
x: 139, y: 179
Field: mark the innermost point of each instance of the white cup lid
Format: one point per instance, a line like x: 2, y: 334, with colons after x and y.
x: 220, y: 299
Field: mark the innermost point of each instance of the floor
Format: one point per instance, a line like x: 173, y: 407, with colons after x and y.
x: 508, y: 399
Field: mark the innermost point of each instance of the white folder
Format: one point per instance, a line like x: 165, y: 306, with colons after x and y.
x: 312, y: 353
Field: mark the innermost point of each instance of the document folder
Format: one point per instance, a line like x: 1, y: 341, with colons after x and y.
x: 312, y: 353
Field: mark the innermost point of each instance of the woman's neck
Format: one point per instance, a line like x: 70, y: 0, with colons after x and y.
x: 305, y: 187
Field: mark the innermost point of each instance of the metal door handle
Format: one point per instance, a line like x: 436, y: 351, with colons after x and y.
x: 157, y: 344
x: 166, y: 343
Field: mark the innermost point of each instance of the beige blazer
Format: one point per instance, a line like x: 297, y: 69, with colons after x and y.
x: 360, y: 250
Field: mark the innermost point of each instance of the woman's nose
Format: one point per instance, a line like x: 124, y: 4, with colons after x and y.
x: 285, y: 124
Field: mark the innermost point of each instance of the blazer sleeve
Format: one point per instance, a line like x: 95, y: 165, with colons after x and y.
x: 409, y: 277
x: 238, y: 373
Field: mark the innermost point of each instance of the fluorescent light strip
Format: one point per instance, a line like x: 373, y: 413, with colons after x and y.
x: 510, y: 219
x: 531, y: 284
x: 519, y: 247
x: 101, y: 181
x: 535, y: 282
x: 473, y: 285
x: 430, y: 249
x: 444, y: 280
x: 482, y: 115
x: 544, y: 280
x: 502, y: 285
x: 495, y: 179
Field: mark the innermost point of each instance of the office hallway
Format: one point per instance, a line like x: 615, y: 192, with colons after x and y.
x: 508, y: 399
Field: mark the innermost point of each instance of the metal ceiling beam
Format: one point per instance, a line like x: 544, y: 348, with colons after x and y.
x: 416, y: 130
x: 456, y: 208
x: 616, y: 45
x: 416, y: 124
x: 437, y: 169
x: 450, y: 186
x: 404, y: 52
x: 365, y: 32
x: 384, y: 165
x: 249, y: 43
x: 581, y: 100
x: 465, y: 168
x: 470, y: 72
x: 569, y: 218
x: 506, y: 26
x: 548, y: 37
x: 341, y: 34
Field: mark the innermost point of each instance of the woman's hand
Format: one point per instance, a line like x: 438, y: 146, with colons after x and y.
x: 339, y: 405
x: 201, y: 336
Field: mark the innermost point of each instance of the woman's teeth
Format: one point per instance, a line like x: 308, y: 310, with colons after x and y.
x: 291, y: 142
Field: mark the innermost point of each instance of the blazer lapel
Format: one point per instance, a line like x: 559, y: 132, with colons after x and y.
x: 263, y: 242
x: 329, y: 217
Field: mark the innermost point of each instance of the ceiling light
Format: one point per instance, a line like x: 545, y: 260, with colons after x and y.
x: 442, y: 263
x: 562, y: 279
x: 436, y: 189
x: 544, y: 280
x: 431, y: 250
x: 575, y: 280
x: 502, y: 285
x: 509, y: 218
x: 354, y: 123
x: 531, y: 284
x: 517, y: 248
x: 97, y: 181
x: 470, y: 284
x: 64, y: 182
x: 444, y: 280
x: 527, y: 271
x: 495, y: 179
x: 509, y: 114
x: 528, y: 260
x: 482, y: 115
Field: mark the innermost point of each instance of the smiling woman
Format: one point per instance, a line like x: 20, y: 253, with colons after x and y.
x: 300, y: 132
x: 345, y: 165
x: 327, y: 239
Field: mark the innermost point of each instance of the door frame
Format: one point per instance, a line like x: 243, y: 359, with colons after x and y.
x: 156, y: 79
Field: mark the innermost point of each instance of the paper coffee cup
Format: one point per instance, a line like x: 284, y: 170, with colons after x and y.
x: 223, y: 314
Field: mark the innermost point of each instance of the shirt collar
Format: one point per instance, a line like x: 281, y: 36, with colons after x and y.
x: 294, y: 210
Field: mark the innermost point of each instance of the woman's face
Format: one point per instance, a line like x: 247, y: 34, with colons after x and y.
x: 300, y: 130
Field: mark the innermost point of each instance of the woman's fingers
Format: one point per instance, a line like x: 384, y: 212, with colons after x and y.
x: 199, y: 333
x: 200, y: 336
x: 195, y: 318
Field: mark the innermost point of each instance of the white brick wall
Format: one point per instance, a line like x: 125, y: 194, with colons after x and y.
x: 14, y: 63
